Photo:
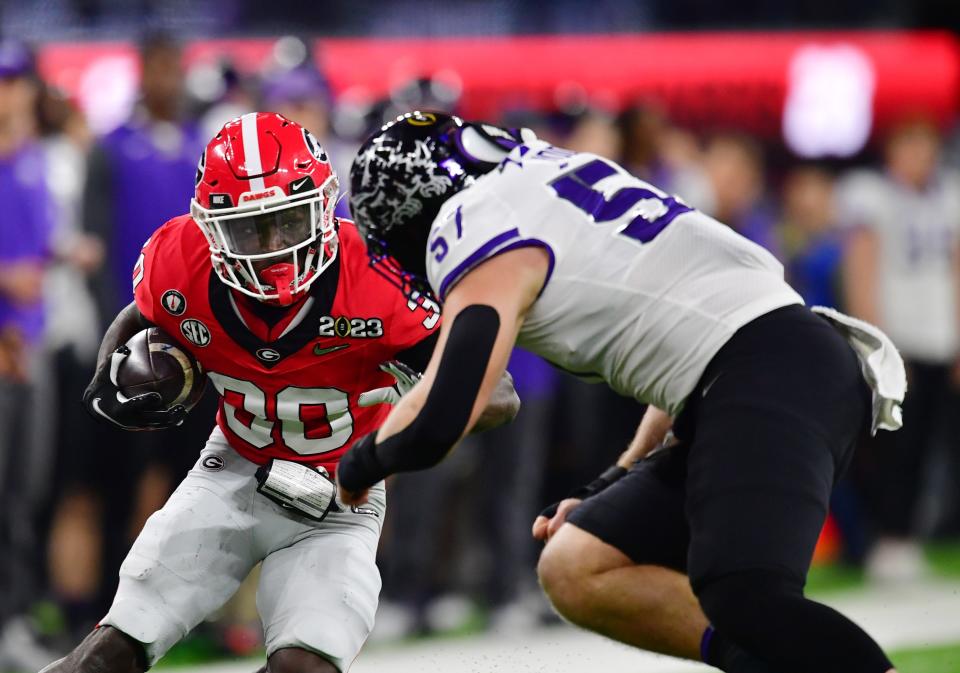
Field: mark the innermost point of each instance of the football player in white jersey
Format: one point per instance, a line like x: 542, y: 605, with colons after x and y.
x: 699, y: 549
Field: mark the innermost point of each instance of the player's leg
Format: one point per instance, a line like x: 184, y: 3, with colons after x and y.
x: 596, y: 586
x: 616, y: 567
x: 770, y: 439
x: 319, y: 586
x: 189, y: 559
x: 105, y: 650
x: 296, y: 660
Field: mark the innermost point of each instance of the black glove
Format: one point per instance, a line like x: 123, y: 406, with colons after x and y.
x: 103, y: 400
x: 600, y: 483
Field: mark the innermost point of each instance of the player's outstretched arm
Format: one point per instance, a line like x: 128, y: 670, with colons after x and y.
x: 482, y: 317
x: 651, y: 433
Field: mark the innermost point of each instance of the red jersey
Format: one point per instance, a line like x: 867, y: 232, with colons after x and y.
x: 288, y: 389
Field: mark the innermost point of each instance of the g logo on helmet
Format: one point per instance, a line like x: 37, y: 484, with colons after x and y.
x: 201, y: 165
x: 421, y: 118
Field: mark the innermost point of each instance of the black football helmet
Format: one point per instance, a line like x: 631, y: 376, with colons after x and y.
x: 401, y: 177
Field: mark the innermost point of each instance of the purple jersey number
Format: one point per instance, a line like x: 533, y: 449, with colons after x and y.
x: 577, y: 188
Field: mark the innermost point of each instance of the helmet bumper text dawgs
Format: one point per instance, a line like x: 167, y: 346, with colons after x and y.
x: 265, y: 197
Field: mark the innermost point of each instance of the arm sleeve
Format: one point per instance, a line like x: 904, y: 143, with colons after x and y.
x: 445, y: 414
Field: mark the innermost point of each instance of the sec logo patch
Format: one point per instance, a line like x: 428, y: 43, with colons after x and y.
x: 195, y: 332
x: 173, y: 302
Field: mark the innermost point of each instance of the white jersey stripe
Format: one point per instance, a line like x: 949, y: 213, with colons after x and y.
x: 251, y: 150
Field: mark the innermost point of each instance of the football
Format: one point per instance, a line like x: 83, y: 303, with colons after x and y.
x: 157, y: 363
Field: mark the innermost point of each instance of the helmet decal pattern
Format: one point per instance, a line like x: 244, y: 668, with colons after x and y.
x: 382, y: 198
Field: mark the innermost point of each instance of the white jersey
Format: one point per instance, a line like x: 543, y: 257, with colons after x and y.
x: 642, y: 290
x: 917, y: 232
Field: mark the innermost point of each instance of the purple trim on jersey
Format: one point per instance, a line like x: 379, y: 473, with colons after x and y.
x: 476, y: 257
x: 459, y: 222
x: 535, y: 243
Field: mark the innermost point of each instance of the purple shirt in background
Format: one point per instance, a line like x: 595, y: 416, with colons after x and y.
x: 758, y: 225
x: 152, y: 167
x: 27, y: 214
x: 533, y: 376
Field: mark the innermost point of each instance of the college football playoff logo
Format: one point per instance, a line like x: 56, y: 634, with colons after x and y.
x: 173, y: 302
x: 195, y: 332
x: 420, y: 118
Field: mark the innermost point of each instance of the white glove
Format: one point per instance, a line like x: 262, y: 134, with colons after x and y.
x: 406, y: 378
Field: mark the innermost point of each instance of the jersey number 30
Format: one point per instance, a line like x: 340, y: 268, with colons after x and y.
x: 653, y: 210
x: 309, y: 420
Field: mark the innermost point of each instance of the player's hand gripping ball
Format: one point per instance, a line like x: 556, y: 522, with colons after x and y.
x: 150, y: 383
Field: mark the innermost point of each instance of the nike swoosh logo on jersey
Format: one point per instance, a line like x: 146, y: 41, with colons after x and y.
x: 323, y: 351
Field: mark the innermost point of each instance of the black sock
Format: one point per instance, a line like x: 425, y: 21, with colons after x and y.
x: 718, y: 650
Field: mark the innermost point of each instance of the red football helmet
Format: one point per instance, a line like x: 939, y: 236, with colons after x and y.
x: 265, y: 196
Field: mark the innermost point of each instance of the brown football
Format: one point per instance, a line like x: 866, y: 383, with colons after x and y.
x: 158, y: 363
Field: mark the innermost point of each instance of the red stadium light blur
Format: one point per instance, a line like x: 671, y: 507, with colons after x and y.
x: 703, y: 80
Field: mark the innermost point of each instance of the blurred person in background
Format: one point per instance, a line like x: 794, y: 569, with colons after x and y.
x: 303, y: 95
x: 136, y: 176
x: 26, y: 226
x: 224, y: 91
x: 664, y: 154
x: 809, y: 238
x: 902, y: 272
x: 734, y: 166
x: 596, y: 132
x: 74, y: 546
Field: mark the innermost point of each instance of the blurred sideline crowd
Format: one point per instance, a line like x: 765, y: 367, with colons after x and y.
x: 879, y: 239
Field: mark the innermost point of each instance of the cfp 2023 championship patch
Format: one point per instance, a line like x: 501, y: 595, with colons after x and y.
x: 174, y: 302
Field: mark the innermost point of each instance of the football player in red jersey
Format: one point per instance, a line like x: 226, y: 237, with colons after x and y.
x: 300, y: 337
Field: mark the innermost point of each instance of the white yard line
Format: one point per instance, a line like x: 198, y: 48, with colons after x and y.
x: 920, y: 615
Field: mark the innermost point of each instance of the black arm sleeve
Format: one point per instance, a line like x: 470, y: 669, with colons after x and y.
x: 445, y: 413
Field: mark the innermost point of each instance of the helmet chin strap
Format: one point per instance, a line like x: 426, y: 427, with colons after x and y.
x: 281, y: 276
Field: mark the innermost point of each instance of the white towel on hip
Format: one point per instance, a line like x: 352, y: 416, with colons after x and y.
x: 880, y: 363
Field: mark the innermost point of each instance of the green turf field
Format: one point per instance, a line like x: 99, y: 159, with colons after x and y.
x: 201, y: 648
x: 943, y: 659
